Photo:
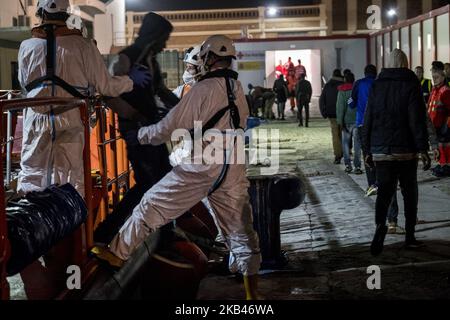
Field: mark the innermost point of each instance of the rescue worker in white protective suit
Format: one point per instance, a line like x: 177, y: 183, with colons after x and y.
x: 189, y: 183
x: 191, y: 75
x: 53, y: 142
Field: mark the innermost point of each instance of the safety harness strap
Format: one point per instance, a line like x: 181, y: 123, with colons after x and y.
x: 235, y: 118
x: 55, y: 81
x: 51, y: 68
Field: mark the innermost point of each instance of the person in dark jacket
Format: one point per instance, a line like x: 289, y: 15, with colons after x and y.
x: 281, y: 90
x: 150, y: 163
x: 360, y: 95
x: 447, y: 73
x: 327, y: 104
x: 425, y: 84
x: 303, y: 93
x: 394, y: 133
x: 256, y: 95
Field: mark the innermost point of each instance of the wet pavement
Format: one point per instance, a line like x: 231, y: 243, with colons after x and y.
x: 327, y: 238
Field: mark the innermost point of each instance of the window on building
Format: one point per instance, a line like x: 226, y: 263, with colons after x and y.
x: 362, y: 13
x: 414, y: 9
x: 339, y: 15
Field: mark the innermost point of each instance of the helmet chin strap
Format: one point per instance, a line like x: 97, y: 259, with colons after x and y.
x: 204, y: 68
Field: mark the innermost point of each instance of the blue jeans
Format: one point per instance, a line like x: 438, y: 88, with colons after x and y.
x: 393, y: 210
x: 371, y: 173
x: 347, y: 138
x: 281, y: 107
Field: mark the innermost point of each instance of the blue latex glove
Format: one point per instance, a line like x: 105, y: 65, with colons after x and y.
x: 131, y: 138
x: 140, y: 75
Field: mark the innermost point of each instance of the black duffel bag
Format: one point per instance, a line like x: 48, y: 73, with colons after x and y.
x: 39, y: 221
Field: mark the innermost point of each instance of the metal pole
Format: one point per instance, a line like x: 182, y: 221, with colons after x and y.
x: 9, y: 140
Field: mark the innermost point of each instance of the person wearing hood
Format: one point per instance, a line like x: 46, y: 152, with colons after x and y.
x: 303, y: 92
x: 327, y: 104
x: 150, y: 163
x: 394, y: 134
x: 53, y: 142
x: 191, y: 73
x: 281, y: 90
x: 220, y: 96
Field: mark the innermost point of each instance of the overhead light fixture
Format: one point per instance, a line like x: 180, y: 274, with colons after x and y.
x: 272, y: 11
x: 392, y: 13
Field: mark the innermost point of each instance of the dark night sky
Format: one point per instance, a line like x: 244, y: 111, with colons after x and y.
x: 155, y: 5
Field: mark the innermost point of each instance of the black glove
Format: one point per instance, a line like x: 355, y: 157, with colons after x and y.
x: 369, y: 161
x: 131, y: 138
x: 426, y: 161
x: 140, y: 75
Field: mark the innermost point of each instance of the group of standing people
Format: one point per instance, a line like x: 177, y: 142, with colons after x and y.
x: 395, y: 119
x: 291, y: 84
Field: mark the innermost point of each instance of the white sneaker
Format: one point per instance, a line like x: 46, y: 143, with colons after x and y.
x: 393, y: 228
x: 372, y: 191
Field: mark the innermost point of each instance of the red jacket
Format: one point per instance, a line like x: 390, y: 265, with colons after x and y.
x: 279, y: 70
x: 439, y: 108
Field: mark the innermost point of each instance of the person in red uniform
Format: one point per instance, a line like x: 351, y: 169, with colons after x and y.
x: 439, y: 111
x: 299, y: 71
x: 279, y: 70
x: 291, y: 87
x: 289, y: 65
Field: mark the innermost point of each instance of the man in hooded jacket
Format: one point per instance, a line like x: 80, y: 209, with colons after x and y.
x: 150, y: 163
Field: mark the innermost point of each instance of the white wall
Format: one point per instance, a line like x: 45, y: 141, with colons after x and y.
x: 405, y: 46
x: 109, y: 28
x: 443, y: 35
x: 354, y: 53
x: 416, y: 46
x: 428, y: 46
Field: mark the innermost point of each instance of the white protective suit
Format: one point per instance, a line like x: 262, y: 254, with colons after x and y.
x: 52, y: 147
x: 180, y: 152
x: 179, y: 91
x: 188, y: 184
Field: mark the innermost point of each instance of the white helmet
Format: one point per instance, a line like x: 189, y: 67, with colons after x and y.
x: 193, y: 56
x: 220, y: 45
x: 53, y: 6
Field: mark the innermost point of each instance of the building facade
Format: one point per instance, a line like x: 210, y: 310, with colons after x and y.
x: 114, y: 28
x: 325, y: 18
x: 104, y: 20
